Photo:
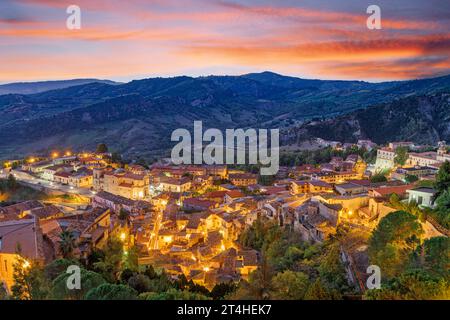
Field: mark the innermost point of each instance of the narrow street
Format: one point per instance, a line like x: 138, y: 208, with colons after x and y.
x: 153, y: 242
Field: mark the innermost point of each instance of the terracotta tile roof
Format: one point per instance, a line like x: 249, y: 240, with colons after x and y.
x: 384, y: 191
x: 133, y: 176
x: 46, y: 212
x: 273, y: 190
x: 242, y: 176
x: 318, y: 183
x: 215, y: 194
x: 235, y: 194
x: 19, y: 208
x: 114, y: 198
x: 198, y: 203
x: 23, y: 233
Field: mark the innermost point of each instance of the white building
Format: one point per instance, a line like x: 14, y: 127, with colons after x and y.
x: 422, y: 196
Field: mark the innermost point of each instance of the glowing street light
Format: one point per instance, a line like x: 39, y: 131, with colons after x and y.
x: 55, y: 155
x: 123, y: 236
x: 26, y: 264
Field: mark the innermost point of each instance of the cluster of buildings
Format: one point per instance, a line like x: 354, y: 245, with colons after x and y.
x: 71, y: 170
x: 187, y: 219
x: 426, y: 160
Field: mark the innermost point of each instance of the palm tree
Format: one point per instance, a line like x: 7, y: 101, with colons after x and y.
x: 66, y: 243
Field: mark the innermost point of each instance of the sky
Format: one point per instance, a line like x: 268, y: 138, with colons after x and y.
x: 134, y: 39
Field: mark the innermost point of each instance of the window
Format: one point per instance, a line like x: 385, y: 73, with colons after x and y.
x: 420, y: 200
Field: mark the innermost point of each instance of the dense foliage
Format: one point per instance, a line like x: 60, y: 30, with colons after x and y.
x: 291, y: 268
x: 410, y: 269
x: 108, y: 274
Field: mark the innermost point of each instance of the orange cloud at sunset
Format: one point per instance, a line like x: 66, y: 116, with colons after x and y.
x: 137, y: 38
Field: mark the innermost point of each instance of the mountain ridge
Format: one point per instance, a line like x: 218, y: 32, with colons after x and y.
x: 136, y: 118
x: 42, y: 86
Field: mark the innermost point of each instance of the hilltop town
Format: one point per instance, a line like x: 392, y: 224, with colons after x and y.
x: 193, y: 222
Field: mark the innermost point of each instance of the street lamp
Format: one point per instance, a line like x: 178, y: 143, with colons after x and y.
x: 26, y: 264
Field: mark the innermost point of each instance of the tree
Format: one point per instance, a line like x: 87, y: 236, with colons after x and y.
x: 443, y: 178
x: 194, y: 287
x: 139, y: 282
x: 442, y: 211
x: 102, y: 148
x: 110, y: 263
x: 289, y: 285
x: 258, y: 286
x: 434, y: 256
x: 58, y: 266
x: 425, y: 183
x: 378, y: 178
x: 173, y: 294
x: 11, y: 183
x: 125, y: 275
x: 318, y: 291
x: 88, y: 279
x: 3, y: 293
x: 130, y: 260
x: 66, y: 243
x: 394, y: 200
x: 162, y: 283
x: 29, y: 281
x: 401, y: 155
x: 150, y: 272
x: 412, y: 285
x: 123, y: 214
x: 260, y: 234
x: 331, y: 270
x: 410, y: 178
x: 220, y: 290
x: 395, y: 237
x: 21, y: 289
x: 266, y: 180
x: 109, y: 291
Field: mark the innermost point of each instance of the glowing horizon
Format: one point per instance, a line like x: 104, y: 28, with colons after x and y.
x: 137, y: 39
